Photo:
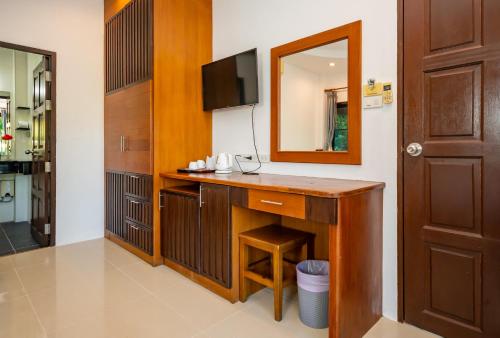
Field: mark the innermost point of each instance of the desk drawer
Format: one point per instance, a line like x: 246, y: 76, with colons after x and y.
x: 280, y: 203
x: 139, y: 211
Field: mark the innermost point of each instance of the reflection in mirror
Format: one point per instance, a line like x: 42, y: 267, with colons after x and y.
x: 313, y: 99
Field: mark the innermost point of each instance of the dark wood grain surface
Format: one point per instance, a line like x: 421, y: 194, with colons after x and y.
x: 451, y: 214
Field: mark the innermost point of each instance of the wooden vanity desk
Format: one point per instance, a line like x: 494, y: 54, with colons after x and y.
x: 202, y: 215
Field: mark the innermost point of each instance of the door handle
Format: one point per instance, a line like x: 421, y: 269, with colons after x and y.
x: 160, y: 200
x: 121, y: 143
x: 414, y: 149
x: 124, y: 143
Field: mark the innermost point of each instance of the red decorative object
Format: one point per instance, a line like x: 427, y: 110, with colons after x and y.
x: 7, y: 137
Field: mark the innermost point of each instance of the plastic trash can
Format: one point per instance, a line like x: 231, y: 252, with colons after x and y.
x: 313, y: 280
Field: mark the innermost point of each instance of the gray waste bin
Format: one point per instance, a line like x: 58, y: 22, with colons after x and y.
x: 313, y: 282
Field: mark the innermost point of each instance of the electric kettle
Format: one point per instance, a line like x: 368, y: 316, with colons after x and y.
x: 224, y: 163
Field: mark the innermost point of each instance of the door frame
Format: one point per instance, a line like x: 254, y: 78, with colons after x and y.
x: 53, y: 61
x: 400, y: 158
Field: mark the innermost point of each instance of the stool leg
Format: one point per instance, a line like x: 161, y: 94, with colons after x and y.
x: 310, y: 248
x: 304, y: 251
x: 278, y: 284
x: 243, y: 267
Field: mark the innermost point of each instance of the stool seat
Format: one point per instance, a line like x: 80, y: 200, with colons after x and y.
x: 276, y: 235
x: 276, y: 240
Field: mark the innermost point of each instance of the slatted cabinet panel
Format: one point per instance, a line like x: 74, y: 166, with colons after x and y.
x: 180, y: 226
x: 215, y: 235
x: 129, y: 39
x: 137, y: 211
x: 139, y: 236
x: 139, y: 186
x: 129, y: 211
x: 114, y: 203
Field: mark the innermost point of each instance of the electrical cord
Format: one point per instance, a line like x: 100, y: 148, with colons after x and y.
x: 251, y: 172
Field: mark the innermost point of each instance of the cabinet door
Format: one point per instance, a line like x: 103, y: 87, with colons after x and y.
x: 215, y: 236
x: 115, y: 183
x: 180, y: 229
x: 128, y: 129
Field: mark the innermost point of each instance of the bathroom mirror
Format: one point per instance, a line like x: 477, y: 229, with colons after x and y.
x: 316, y: 98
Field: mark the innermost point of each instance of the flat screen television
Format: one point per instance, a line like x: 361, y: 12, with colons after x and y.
x: 231, y: 82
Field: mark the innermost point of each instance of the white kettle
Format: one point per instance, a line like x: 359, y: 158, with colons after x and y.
x: 224, y: 163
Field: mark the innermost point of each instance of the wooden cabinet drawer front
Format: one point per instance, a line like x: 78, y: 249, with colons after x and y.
x: 139, y: 186
x: 292, y: 205
x: 139, y: 236
x: 139, y: 211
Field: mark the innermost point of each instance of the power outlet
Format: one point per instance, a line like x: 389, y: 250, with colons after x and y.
x: 252, y: 158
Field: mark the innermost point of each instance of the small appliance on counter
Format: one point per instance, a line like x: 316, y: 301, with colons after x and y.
x: 224, y: 164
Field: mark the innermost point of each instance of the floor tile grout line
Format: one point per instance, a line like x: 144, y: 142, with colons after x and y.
x: 150, y: 292
x: 8, y: 239
x: 31, y: 303
x: 203, y: 331
x: 154, y: 295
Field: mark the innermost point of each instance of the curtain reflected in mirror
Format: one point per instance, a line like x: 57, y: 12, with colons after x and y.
x: 314, y: 100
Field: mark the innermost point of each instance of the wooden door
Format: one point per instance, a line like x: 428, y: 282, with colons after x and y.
x: 40, y: 193
x: 452, y: 189
x: 215, y: 234
x: 180, y: 229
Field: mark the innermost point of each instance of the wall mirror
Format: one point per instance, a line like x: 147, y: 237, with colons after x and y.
x: 316, y: 98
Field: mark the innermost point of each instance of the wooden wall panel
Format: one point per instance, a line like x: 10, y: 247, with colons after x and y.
x: 182, y: 130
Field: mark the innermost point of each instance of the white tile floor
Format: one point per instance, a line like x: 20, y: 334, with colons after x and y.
x: 97, y: 289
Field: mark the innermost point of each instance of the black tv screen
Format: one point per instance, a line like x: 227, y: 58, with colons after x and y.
x: 231, y: 81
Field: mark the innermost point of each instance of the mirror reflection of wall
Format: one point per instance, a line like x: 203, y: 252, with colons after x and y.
x: 16, y: 93
x: 313, y: 93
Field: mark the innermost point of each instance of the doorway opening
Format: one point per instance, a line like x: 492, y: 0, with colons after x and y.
x: 27, y: 148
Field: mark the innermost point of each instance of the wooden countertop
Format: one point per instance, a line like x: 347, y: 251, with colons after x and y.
x: 313, y: 186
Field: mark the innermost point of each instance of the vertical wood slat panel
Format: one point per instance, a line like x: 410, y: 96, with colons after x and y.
x: 114, y: 203
x: 129, y: 45
x: 130, y: 221
x: 215, y: 234
x: 180, y: 226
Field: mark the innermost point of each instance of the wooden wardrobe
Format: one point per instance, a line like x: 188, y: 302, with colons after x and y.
x: 153, y: 116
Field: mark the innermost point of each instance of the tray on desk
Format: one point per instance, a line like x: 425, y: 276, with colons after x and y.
x: 195, y: 171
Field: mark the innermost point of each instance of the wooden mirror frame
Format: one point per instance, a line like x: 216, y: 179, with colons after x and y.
x: 351, y: 32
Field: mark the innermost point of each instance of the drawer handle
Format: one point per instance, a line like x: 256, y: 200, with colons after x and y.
x: 271, y: 202
x: 133, y: 176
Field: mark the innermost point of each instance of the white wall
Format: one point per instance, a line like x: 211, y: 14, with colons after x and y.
x: 74, y: 30
x: 243, y: 24
x: 7, y: 71
x: 299, y: 118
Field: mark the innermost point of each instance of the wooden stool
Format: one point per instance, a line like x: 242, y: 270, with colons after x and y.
x: 276, y: 240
